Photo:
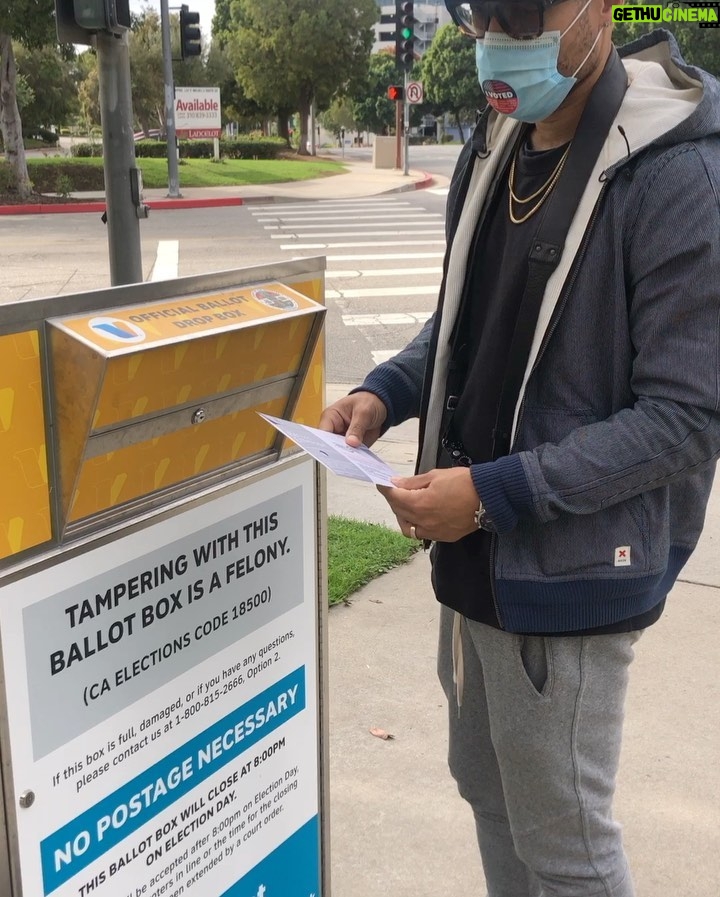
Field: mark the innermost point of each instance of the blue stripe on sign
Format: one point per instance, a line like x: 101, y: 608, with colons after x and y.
x: 291, y: 870
x: 80, y: 842
x: 114, y: 330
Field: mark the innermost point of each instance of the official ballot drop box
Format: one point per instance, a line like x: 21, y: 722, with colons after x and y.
x: 162, y: 596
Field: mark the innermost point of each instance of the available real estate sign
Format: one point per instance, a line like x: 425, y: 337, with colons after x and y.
x: 197, y: 112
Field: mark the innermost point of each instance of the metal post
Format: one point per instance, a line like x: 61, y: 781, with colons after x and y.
x: 406, y: 125
x: 312, y: 128
x: 398, y: 134
x: 122, y: 181
x: 173, y: 168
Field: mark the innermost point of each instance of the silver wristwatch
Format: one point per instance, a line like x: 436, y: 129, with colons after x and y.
x: 482, y: 520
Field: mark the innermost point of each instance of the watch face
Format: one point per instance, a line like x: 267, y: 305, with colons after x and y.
x: 483, y: 521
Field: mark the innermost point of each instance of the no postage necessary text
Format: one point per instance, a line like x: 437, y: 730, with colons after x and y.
x: 145, y: 801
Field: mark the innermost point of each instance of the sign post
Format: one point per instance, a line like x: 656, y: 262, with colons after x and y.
x: 163, y: 616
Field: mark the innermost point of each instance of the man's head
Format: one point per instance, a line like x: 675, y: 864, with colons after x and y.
x: 569, y: 39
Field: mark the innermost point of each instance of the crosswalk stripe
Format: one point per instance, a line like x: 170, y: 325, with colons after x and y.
x: 384, y: 272
x: 430, y: 290
x: 400, y: 213
x: 390, y: 256
x: 357, y: 245
x: 370, y: 225
x: 166, y: 260
x: 386, y: 320
x: 382, y: 233
x: 329, y: 203
x: 439, y: 191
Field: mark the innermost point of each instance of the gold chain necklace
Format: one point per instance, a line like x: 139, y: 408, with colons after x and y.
x: 543, y: 192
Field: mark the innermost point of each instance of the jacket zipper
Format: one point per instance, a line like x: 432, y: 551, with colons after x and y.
x: 563, y: 299
x: 543, y: 346
x: 493, y: 558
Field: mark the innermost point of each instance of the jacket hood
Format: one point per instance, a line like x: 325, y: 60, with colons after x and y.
x: 666, y: 84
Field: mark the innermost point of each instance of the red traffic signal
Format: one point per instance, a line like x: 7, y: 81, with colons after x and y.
x: 395, y: 92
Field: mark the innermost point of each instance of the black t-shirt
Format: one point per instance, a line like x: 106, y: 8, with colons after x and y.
x: 497, y: 272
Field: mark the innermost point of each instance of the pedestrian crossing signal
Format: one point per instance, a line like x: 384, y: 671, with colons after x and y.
x: 395, y: 93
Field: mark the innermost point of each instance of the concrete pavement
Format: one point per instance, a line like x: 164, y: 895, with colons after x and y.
x: 398, y: 824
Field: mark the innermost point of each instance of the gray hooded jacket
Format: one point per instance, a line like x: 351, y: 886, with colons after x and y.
x: 617, y: 429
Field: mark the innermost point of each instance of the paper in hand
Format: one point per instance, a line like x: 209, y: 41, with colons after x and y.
x: 333, y: 452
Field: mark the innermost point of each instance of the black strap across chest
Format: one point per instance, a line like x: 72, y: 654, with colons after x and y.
x: 547, y: 245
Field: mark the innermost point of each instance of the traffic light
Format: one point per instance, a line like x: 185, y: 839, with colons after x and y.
x: 398, y: 31
x: 406, y: 27
x: 76, y: 19
x: 189, y: 32
x: 395, y: 93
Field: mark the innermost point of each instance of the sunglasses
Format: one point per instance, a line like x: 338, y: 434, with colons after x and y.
x: 521, y: 19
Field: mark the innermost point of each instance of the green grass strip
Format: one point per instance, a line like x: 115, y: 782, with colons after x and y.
x: 358, y: 552
x: 200, y: 172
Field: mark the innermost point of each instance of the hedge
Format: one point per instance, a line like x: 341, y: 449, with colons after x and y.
x: 240, y: 148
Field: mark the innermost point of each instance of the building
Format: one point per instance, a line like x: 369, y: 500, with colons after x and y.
x: 430, y: 15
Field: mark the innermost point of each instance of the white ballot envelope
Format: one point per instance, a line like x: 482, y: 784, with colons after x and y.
x: 333, y: 452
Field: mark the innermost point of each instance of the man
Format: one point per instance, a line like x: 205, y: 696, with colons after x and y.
x: 565, y: 463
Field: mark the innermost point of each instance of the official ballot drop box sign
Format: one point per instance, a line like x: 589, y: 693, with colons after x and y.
x: 163, y: 688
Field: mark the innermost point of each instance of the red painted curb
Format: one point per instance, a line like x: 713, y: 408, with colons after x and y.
x: 426, y: 182
x: 74, y: 207
x: 40, y: 209
x: 195, y: 203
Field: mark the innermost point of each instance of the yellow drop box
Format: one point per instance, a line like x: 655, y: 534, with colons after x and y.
x: 150, y: 397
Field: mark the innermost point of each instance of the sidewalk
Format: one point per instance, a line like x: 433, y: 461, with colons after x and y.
x: 361, y: 180
x: 398, y: 826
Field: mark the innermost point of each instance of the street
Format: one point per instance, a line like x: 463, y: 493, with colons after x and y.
x: 384, y: 257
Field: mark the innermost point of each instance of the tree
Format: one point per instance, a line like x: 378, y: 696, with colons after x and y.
x: 147, y: 74
x: 372, y: 109
x: 88, y: 88
x: 291, y: 52
x: 31, y: 23
x: 339, y: 117
x: 450, y: 76
x: 48, y: 73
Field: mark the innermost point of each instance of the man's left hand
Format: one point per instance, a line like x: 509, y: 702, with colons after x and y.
x: 438, y: 505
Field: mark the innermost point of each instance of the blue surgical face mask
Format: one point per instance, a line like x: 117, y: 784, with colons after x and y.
x: 520, y: 78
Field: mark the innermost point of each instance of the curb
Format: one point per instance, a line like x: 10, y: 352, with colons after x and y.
x: 163, y: 204
x: 99, y: 206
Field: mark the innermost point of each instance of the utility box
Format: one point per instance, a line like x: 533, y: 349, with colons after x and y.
x: 385, y: 152
x: 162, y: 590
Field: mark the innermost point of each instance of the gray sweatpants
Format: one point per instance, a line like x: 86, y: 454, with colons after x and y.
x: 534, y: 749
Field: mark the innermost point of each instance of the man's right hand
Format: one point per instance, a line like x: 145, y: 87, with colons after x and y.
x: 358, y: 417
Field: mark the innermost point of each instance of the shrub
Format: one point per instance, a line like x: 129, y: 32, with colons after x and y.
x: 151, y: 149
x: 87, y: 150
x: 42, y: 135
x: 73, y: 175
x: 232, y: 148
x: 4, y: 177
x: 63, y: 185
